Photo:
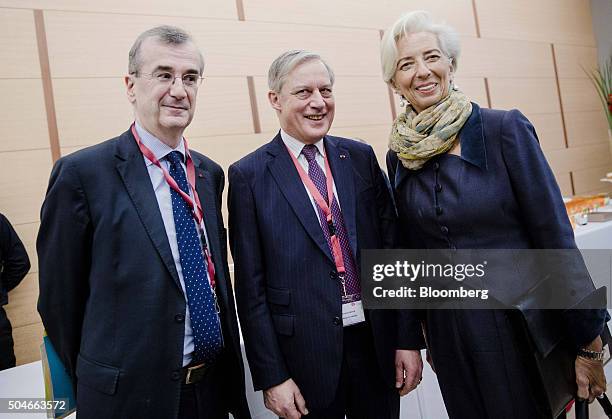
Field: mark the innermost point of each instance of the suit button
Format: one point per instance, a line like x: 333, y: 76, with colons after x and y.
x: 333, y: 275
x: 179, y: 318
x: 436, y: 166
x: 337, y: 321
x: 176, y: 375
x: 438, y: 188
x: 438, y: 210
x: 444, y: 230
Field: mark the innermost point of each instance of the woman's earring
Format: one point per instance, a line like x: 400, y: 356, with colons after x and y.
x: 403, y: 102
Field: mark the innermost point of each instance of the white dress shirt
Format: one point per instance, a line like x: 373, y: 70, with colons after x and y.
x: 164, y: 201
x: 295, y: 147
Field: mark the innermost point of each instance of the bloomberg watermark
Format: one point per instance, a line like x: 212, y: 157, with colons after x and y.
x: 485, y: 279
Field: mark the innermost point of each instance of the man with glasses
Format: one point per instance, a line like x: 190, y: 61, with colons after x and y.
x: 134, y: 284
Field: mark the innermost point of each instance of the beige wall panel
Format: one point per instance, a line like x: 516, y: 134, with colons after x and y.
x: 587, y: 181
x: 359, y: 101
x: 22, y: 302
x: 27, y: 343
x: 567, y: 21
x: 529, y: 95
x: 201, y: 8
x: 23, y: 120
x: 474, y: 88
x: 23, y: 181
x: 549, y: 129
x: 378, y: 15
x: 230, y: 48
x: 226, y: 149
x: 565, y: 183
x: 573, y: 60
x: 375, y: 135
x: 579, y: 95
x: 499, y: 58
x: 586, y: 127
x: 18, y: 49
x: 92, y: 110
x: 579, y: 158
x: 27, y: 233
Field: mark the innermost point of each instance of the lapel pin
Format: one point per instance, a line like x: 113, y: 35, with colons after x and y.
x: 200, y: 174
x: 343, y: 156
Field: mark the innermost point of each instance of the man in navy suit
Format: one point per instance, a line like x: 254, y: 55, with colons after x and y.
x: 301, y: 208
x: 134, y: 284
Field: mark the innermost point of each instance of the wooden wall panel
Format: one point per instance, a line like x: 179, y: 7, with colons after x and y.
x: 586, y: 127
x: 23, y: 121
x: 565, y: 183
x: 219, y: 9
x: 22, y: 302
x: 359, y: 101
x: 27, y: 233
x: 230, y: 48
x: 474, y: 88
x: 579, y: 95
x: 27, y: 343
x: 572, y: 61
x: 587, y: 181
x: 23, y: 181
x: 567, y: 21
x: 503, y: 58
x: 379, y: 15
x: 18, y: 50
x: 375, y: 135
x: 580, y: 158
x: 92, y: 110
x: 538, y: 100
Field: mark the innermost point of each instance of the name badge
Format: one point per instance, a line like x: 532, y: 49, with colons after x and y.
x: 352, y: 313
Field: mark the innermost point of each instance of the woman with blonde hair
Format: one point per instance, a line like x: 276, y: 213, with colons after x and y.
x: 466, y: 177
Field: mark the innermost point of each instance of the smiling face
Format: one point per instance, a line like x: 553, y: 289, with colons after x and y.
x: 423, y: 73
x: 164, y: 109
x: 305, y: 105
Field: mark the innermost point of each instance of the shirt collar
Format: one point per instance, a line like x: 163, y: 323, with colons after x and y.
x: 296, y: 146
x: 472, y: 139
x: 157, y: 147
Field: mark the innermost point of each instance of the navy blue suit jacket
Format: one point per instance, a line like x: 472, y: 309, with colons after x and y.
x: 110, y: 297
x: 288, y: 296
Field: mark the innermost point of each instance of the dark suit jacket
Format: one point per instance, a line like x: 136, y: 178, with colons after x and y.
x: 110, y: 296
x: 288, y: 295
x: 499, y: 194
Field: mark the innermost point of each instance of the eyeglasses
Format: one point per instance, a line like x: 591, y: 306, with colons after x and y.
x: 167, y: 79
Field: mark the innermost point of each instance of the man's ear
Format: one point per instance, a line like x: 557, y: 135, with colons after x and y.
x: 129, y: 85
x: 274, y: 99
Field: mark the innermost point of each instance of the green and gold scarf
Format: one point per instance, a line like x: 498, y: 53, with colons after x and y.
x: 418, y: 137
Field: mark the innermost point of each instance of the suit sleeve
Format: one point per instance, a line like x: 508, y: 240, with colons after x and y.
x: 64, y: 257
x: 544, y: 213
x: 409, y: 331
x: 266, y: 361
x: 14, y: 260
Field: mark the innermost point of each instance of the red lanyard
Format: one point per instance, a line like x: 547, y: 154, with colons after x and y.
x: 196, y: 210
x: 335, y: 243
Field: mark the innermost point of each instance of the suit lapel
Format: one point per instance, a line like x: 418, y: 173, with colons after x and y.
x: 207, y: 193
x: 342, y: 170
x: 291, y: 186
x: 133, y: 172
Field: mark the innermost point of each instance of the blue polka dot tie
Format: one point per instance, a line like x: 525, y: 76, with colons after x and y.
x: 205, y: 323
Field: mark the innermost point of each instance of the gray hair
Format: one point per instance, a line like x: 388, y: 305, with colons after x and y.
x: 417, y: 21
x: 169, y: 35
x: 286, y: 62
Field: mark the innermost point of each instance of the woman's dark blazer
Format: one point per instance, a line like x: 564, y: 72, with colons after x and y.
x: 501, y: 195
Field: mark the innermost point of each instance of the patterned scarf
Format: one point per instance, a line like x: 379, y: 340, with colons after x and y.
x: 418, y: 137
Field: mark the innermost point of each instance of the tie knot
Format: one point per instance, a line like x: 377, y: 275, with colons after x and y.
x: 174, y: 157
x: 310, y: 152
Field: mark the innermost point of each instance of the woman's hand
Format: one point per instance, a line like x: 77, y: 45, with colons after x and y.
x: 590, y: 376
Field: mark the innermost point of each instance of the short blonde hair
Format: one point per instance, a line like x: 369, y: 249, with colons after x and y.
x: 412, y: 22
